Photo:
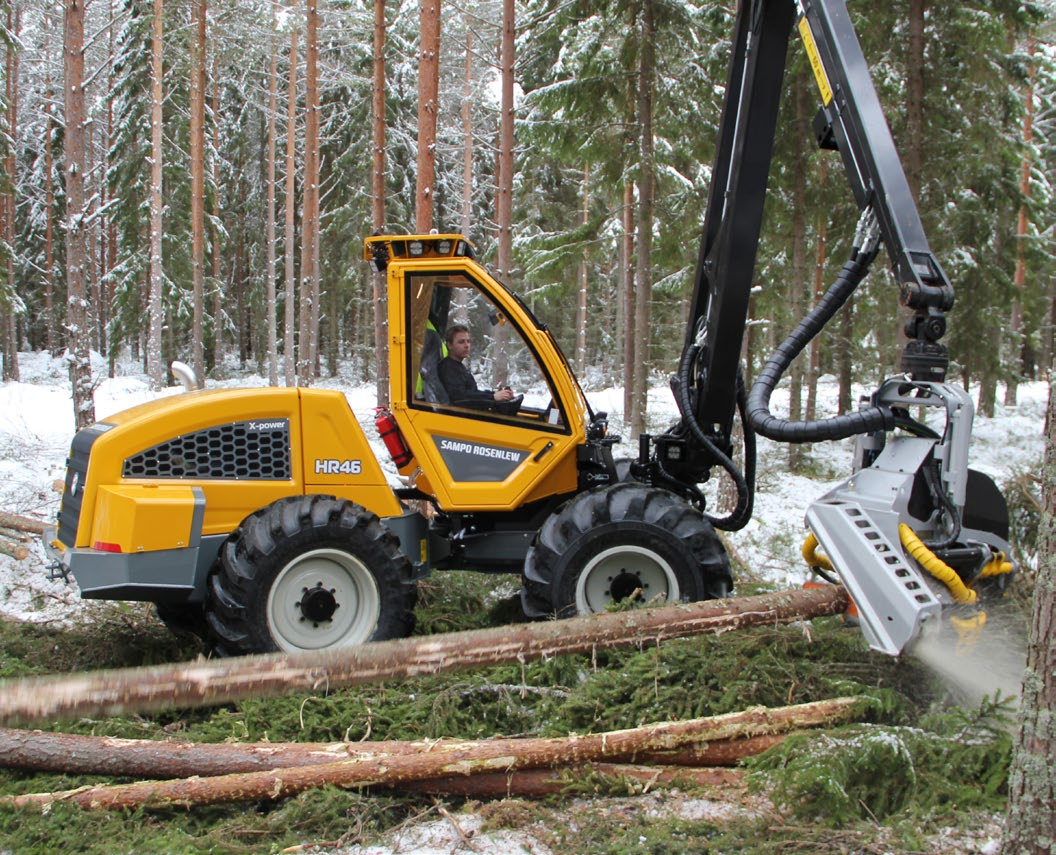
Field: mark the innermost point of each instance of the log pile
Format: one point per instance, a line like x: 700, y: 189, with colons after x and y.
x: 16, y: 533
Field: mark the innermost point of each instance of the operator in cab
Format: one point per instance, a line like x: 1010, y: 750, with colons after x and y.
x: 460, y: 384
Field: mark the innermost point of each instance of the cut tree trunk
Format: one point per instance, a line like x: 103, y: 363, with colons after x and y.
x: 389, y: 770
x: 205, y: 683
x: 21, y: 523
x: 535, y: 783
x: 14, y: 550
x: 75, y: 754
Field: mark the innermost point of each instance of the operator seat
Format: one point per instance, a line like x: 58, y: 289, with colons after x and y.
x: 432, y: 390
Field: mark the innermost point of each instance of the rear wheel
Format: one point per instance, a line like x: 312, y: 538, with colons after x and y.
x: 309, y: 573
x: 628, y: 542
x: 184, y: 620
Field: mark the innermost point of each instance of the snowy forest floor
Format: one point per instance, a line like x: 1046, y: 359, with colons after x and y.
x: 36, y: 425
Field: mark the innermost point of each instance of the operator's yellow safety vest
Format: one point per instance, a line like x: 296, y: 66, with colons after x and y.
x: 419, y: 385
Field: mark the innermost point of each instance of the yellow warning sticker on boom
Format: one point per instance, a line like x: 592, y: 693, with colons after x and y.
x: 815, y: 61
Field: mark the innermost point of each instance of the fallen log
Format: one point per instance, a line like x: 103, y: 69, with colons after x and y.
x: 18, y: 551
x: 389, y: 770
x: 75, y: 754
x: 17, y: 536
x: 205, y: 683
x: 21, y: 523
x: 723, y: 752
x: 536, y: 783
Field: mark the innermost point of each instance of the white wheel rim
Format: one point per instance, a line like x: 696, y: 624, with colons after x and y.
x: 619, y: 570
x: 336, y: 579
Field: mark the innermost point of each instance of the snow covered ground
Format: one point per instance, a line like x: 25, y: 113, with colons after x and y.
x: 36, y: 425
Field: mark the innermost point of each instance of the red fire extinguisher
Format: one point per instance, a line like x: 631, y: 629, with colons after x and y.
x: 391, y: 436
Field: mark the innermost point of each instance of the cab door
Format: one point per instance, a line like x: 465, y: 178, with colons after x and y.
x: 476, y: 454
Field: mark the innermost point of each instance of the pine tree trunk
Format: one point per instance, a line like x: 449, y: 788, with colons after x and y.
x: 269, y: 216
x: 308, y: 351
x: 333, y: 339
x: 504, y: 185
x: 1017, y: 347
x: 7, y: 214
x: 1031, y: 819
x: 893, y: 315
x: 467, y: 138
x: 109, y: 227
x: 51, y: 338
x: 814, y: 369
x: 197, y: 158
x: 845, y: 352
x: 581, y: 302
x: 914, y: 142
x: 1049, y: 329
x: 377, y: 204
x: 646, y: 188
x: 91, y: 235
x: 290, y: 283
x: 627, y: 297
x: 76, y: 248
x: 798, y: 279
x: 814, y: 372
x: 987, y: 392
x: 428, y: 104
x: 155, y: 317
x: 216, y: 286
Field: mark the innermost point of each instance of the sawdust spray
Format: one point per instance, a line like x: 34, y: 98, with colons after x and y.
x: 991, y: 667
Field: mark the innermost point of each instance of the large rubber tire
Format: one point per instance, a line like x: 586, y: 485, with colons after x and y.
x: 184, y: 620
x: 627, y: 540
x: 308, y: 573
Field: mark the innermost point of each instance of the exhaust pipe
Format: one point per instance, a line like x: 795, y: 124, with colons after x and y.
x: 185, y: 374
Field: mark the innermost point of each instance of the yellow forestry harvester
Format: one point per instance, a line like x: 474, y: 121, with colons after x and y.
x: 264, y: 518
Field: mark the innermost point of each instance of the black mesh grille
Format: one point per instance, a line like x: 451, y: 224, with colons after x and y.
x: 255, y: 450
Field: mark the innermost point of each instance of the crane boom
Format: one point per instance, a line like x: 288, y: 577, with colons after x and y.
x: 850, y: 120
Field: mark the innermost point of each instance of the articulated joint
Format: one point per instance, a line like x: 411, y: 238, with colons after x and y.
x: 935, y: 566
x: 925, y: 295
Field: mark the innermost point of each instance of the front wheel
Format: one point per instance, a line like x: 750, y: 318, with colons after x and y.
x: 625, y: 543
x: 309, y: 573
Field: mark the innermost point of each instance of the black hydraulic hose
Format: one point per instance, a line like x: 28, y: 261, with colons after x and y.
x: 934, y: 481
x: 837, y: 427
x: 744, y: 483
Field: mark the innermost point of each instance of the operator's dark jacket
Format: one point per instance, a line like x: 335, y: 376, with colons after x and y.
x: 460, y: 385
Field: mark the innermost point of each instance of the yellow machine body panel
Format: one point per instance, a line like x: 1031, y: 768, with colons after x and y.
x: 142, y: 518
x: 471, y: 458
x: 337, y: 458
x: 244, y: 448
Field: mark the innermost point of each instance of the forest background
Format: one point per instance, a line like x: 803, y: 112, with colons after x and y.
x: 186, y: 180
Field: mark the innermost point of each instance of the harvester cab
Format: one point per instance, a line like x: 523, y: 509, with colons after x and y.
x: 475, y: 453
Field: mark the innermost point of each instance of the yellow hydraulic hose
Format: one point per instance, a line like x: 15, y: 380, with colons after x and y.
x: 996, y: 566
x: 811, y: 556
x: 935, y: 565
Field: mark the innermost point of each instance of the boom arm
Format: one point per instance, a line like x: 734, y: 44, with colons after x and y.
x: 850, y: 120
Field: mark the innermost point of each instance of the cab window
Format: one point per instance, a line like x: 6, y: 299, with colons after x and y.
x: 487, y: 370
